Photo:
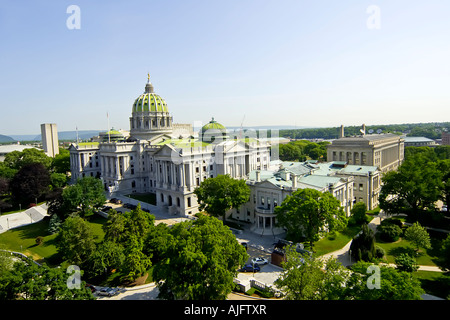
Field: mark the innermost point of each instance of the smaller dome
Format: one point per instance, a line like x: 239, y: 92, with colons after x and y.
x: 213, y: 125
x: 213, y: 130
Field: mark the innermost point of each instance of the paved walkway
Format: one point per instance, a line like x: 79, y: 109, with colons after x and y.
x: 22, y: 218
x: 343, y: 255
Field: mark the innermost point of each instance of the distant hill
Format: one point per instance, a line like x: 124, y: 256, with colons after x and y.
x: 62, y: 135
x: 6, y: 138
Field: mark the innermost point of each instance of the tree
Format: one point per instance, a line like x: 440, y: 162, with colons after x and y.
x: 363, y: 245
x: 27, y: 281
x: 358, y: 213
x: 418, y: 236
x: 205, y: 255
x: 16, y: 160
x: 61, y: 162
x: 31, y: 182
x: 218, y: 195
x: 413, y: 189
x: 310, y: 278
x: 75, y: 242
x: 406, y: 263
x: 444, y: 167
x: 307, y: 213
x: 107, y: 256
x: 129, y: 230
x: 137, y: 262
x: 393, y: 284
x: 85, y: 196
x: 444, y: 256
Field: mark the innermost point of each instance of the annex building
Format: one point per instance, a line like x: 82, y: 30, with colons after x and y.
x: 347, y: 183
x: 385, y: 151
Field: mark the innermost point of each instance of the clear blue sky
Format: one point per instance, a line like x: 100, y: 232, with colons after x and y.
x: 298, y: 63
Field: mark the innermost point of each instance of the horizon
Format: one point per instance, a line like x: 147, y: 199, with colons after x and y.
x: 256, y: 63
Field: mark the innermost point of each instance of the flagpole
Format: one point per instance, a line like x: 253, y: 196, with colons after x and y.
x: 109, y: 133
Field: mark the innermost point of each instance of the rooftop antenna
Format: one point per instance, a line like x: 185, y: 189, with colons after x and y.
x: 241, y: 130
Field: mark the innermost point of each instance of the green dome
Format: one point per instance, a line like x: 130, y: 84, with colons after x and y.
x: 149, y: 102
x: 213, y: 125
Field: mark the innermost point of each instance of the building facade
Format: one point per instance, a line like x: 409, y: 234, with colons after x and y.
x: 347, y: 183
x: 446, y: 138
x: 384, y: 151
x: 155, y: 159
x: 50, y: 143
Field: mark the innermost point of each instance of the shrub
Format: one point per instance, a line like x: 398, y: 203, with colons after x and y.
x: 363, y: 245
x: 379, y: 252
x: 406, y: 263
x: 39, y: 240
x: 389, y: 232
x: 394, y: 221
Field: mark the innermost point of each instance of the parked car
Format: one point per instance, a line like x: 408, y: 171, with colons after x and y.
x: 250, y: 268
x: 90, y: 286
x: 244, y: 244
x: 106, y: 208
x: 115, y: 200
x: 109, y: 292
x: 260, y: 261
x: 129, y: 206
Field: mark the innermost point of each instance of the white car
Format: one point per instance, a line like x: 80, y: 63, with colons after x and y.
x: 260, y: 261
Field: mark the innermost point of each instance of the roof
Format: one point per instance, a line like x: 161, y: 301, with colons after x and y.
x: 7, y: 148
x: 213, y: 125
x: 367, y: 138
x: 149, y: 102
x: 417, y: 139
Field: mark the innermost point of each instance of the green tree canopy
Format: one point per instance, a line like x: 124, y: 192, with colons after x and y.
x: 30, y: 183
x: 218, y: 195
x: 413, y: 189
x: 27, y: 281
x: 85, y: 196
x: 75, y: 242
x: 205, y: 255
x: 307, y: 213
x: 310, y: 278
x: 418, y: 236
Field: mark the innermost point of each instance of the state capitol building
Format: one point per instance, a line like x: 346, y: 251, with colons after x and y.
x: 164, y: 158
x: 154, y: 158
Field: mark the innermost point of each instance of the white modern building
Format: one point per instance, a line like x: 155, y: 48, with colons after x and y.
x: 50, y: 143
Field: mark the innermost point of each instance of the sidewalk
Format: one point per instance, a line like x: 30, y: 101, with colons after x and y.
x: 19, y: 219
x: 343, y: 256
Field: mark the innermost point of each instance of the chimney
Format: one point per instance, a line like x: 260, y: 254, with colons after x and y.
x: 294, y: 181
x: 258, y: 176
x: 341, y: 131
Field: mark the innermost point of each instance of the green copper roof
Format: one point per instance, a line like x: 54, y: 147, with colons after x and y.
x: 149, y: 102
x: 213, y: 125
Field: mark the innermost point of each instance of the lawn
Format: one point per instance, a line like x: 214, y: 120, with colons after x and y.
x: 144, y: 197
x: 335, y: 241
x: 22, y: 239
x: 434, y: 283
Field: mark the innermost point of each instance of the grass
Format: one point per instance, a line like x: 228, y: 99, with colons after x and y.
x: 335, y: 241
x: 144, y: 197
x: 22, y: 240
x: 434, y: 283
